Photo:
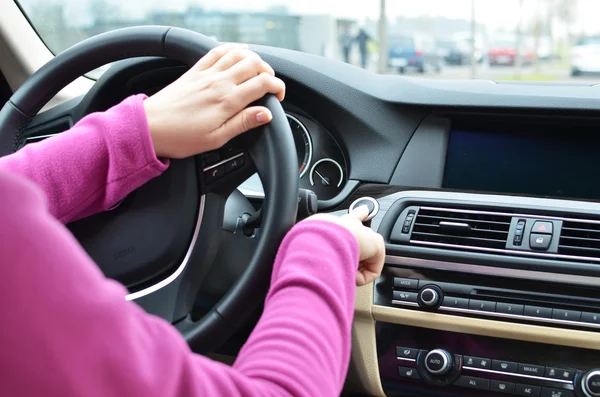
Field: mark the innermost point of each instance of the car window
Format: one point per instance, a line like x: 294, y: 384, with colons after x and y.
x: 351, y: 30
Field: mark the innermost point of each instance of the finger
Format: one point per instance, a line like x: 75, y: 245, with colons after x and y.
x: 249, y: 67
x: 231, y: 58
x: 259, y: 86
x: 245, y: 120
x: 361, y: 213
x: 214, y: 55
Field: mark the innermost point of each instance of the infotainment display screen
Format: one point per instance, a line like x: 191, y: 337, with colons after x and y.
x: 530, y: 161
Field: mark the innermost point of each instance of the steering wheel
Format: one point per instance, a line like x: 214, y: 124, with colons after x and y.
x: 161, y: 241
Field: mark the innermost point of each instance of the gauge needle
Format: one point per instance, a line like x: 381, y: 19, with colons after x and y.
x: 325, y: 180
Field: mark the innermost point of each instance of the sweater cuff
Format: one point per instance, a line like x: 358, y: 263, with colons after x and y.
x: 137, y: 102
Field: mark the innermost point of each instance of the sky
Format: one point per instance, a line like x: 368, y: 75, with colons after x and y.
x: 492, y: 13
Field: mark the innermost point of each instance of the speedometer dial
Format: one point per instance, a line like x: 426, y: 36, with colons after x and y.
x: 303, y: 144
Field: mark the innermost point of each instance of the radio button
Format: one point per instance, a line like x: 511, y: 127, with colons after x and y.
x: 502, y: 387
x: 473, y: 383
x: 551, y: 392
x: 593, y: 318
x: 407, y: 283
x: 504, y: 366
x: 483, y: 306
x: 528, y: 369
x: 509, y: 308
x: 405, y: 296
x: 567, y: 315
x: 477, y: 362
x: 536, y: 311
x: 458, y: 303
x: 527, y: 390
x: 557, y: 373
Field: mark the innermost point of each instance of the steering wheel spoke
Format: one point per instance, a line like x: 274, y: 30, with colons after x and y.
x: 222, y: 171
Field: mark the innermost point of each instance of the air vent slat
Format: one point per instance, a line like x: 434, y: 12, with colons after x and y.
x: 580, y: 239
x: 484, y: 230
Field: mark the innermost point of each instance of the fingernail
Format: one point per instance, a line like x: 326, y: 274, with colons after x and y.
x: 263, y: 117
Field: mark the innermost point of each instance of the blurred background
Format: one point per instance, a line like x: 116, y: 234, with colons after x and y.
x: 541, y: 40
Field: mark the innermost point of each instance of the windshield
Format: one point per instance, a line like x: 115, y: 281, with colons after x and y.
x: 457, y: 39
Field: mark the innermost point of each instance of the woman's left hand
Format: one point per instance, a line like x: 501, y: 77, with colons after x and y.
x: 207, y: 106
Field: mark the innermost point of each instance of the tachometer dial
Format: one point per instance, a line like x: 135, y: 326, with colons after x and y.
x: 327, y: 173
x: 303, y: 144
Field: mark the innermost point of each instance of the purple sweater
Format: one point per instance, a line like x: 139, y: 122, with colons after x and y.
x: 66, y: 330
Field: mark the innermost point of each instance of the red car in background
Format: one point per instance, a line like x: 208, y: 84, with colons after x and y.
x: 504, y: 53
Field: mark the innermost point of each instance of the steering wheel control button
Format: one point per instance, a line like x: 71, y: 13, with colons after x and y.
x: 482, y: 306
x: 477, y: 362
x: 404, y: 296
x: 406, y: 352
x: 590, y: 384
x: 370, y: 203
x: 457, y: 303
x: 509, y: 308
x: 558, y: 373
x: 502, y: 387
x: 211, y: 158
x: 540, y: 242
x: 214, y: 173
x: 471, y: 382
x: 406, y: 283
x: 536, y: 311
x: 528, y: 369
x: 527, y: 390
x: 438, y: 362
x: 410, y: 373
x: 543, y: 227
x: 551, y: 392
x: 234, y: 164
x: 504, y: 366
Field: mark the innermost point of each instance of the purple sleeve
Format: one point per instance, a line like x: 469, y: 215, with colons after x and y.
x: 68, y: 331
x: 94, y: 165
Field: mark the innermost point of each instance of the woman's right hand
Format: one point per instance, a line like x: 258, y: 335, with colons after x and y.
x: 370, y: 243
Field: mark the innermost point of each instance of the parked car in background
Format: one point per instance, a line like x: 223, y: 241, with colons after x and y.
x: 503, y: 52
x: 413, y: 51
x: 585, y: 56
x: 450, y: 51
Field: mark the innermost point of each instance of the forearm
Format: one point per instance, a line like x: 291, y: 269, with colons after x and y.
x: 92, y: 166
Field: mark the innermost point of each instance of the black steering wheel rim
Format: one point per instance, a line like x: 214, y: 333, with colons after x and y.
x: 272, y: 152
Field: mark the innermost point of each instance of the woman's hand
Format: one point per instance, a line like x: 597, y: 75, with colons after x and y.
x: 207, y: 106
x: 370, y: 243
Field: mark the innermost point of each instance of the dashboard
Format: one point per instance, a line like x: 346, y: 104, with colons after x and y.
x: 488, y: 204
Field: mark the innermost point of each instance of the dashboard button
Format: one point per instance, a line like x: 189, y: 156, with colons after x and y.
x: 458, y: 303
x: 504, y: 366
x: 567, y: 315
x: 407, y: 372
x: 558, y: 373
x: 527, y: 390
x: 529, y: 369
x: 405, y: 296
x: 509, y: 308
x: 477, y: 362
x: 540, y: 242
x: 542, y: 227
x: 536, y: 311
x: 484, y: 306
x: 502, y: 387
x: 406, y: 352
x: 473, y: 383
x: 593, y: 318
x: 407, y: 283
x: 551, y: 392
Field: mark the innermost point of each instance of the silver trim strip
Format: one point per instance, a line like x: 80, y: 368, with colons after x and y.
x: 503, y: 315
x: 223, y: 162
x: 491, y: 371
x: 455, y: 224
x: 493, y: 271
x: 407, y: 359
x: 182, y: 266
x: 40, y: 137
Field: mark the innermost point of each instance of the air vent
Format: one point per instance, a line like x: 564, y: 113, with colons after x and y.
x: 580, y: 238
x: 460, y: 228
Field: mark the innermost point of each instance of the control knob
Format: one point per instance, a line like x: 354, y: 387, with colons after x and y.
x: 439, y: 362
x: 430, y: 297
x: 590, y: 383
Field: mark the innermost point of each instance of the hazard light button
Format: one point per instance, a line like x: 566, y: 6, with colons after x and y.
x: 542, y: 227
